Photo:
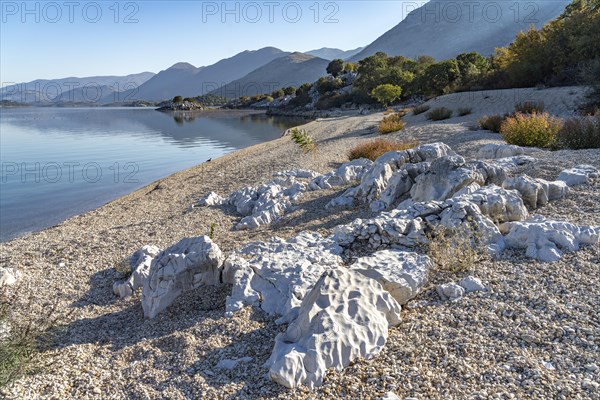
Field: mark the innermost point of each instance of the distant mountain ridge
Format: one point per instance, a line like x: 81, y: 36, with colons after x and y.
x: 72, y: 88
x: 183, y: 79
x: 444, y: 28
x: 329, y: 53
x: 291, y: 70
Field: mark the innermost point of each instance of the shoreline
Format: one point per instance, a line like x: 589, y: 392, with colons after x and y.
x: 108, y: 347
x: 76, y: 211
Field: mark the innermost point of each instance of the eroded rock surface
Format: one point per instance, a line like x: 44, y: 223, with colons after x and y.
x: 140, y: 269
x: 189, y: 264
x: 345, y: 316
x: 546, y: 240
x: 403, y: 274
x: 276, y: 275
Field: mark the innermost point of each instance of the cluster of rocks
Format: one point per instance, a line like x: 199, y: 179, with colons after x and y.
x: 338, y: 308
x: 265, y: 204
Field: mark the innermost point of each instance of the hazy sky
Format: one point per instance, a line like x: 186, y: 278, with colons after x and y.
x: 47, y: 39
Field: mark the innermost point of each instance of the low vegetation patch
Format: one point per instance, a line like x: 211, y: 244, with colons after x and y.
x: 533, y: 130
x: 456, y: 250
x: 391, y: 123
x: 579, y: 133
x: 420, y: 109
x: 439, y: 114
x: 530, y: 107
x: 304, y: 140
x: 464, y: 111
x: 23, y: 335
x: 376, y: 148
x: 492, y: 123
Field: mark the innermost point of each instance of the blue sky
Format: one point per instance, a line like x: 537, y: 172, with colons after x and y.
x: 65, y: 38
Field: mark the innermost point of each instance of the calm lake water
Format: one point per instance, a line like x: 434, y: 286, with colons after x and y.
x: 56, y: 163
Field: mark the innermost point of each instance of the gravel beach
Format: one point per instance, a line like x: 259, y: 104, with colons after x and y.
x: 534, y: 334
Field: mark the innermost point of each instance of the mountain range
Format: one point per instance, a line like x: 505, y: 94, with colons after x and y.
x: 440, y: 28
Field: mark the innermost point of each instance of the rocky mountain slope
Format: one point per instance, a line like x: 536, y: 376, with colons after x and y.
x: 443, y: 29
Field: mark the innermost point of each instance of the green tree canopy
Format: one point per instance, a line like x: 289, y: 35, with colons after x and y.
x: 335, y: 67
x: 386, y: 94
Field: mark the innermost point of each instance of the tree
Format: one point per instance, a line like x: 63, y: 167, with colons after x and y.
x: 386, y: 94
x: 440, y: 78
x: 278, y: 93
x: 303, y: 89
x: 335, y: 67
x: 350, y: 67
x: 290, y: 90
x: 177, y: 99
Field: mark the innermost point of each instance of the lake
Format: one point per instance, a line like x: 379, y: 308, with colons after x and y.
x: 60, y: 162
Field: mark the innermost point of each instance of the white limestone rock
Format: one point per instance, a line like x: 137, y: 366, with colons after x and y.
x: 211, y: 199
x: 345, y: 316
x: 472, y: 284
x: 349, y: 172
x: 533, y: 192
x: 536, y: 192
x: 578, y: 175
x: 390, y: 396
x: 546, y: 240
x: 140, y: 269
x: 450, y: 291
x: 9, y: 276
x: 493, y: 151
x: 512, y: 164
x: 188, y: 264
x: 444, y: 178
x: 276, y: 275
x: 375, y: 180
x: 498, y: 204
x: 399, y: 185
x: 403, y: 274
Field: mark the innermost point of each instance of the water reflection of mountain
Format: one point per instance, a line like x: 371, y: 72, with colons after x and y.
x: 232, y: 129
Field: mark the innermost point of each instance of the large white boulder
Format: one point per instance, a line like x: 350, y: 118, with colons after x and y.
x: 403, y: 274
x: 578, y: 175
x: 276, y: 275
x: 347, y: 173
x: 188, y: 264
x: 444, y: 178
x: 536, y: 192
x: 345, y: 316
x: 498, y: 204
x: 140, y: 269
x: 493, y: 151
x: 546, y: 240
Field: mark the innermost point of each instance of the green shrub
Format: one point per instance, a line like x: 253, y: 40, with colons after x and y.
x: 304, y: 140
x: 177, y: 99
x: 386, y: 94
x: 492, y: 123
x: 332, y: 100
x: 420, y: 109
x: 534, y: 130
x: 325, y: 85
x: 439, y: 114
x: 530, y: 107
x: 464, y: 111
x: 391, y: 123
x: 269, y: 99
x: 579, y: 133
x: 378, y: 147
x: 457, y: 250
